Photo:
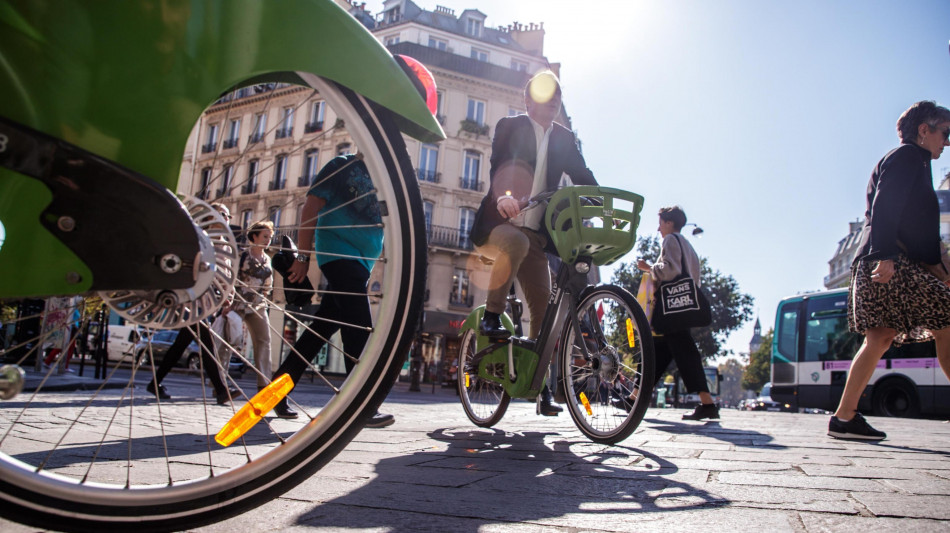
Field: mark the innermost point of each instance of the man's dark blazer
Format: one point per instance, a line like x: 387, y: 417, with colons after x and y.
x: 514, y: 154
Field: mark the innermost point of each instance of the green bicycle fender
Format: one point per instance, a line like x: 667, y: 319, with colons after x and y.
x: 128, y: 80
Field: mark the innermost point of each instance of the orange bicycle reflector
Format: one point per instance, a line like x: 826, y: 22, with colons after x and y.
x: 254, y: 410
x: 586, y: 403
x: 630, y: 337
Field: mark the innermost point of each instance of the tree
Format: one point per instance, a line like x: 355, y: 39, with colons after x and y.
x: 730, y: 388
x: 730, y: 307
x: 757, y: 373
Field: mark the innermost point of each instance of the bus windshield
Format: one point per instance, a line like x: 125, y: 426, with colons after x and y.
x: 826, y: 331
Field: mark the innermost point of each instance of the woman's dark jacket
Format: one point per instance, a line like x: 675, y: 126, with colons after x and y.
x: 902, y: 208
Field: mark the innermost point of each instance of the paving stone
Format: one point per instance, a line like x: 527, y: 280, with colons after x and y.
x: 830, y: 523
x: 801, y: 481
x: 902, y: 505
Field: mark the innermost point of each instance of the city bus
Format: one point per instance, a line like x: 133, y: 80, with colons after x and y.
x: 812, y: 351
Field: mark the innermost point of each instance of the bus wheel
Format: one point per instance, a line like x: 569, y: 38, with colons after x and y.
x: 895, y: 397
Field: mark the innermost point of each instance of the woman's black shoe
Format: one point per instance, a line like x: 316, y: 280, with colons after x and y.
x: 702, y: 411
x: 161, y: 392
x: 282, y: 410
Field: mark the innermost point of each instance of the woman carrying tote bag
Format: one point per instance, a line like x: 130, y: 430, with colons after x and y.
x: 678, y: 345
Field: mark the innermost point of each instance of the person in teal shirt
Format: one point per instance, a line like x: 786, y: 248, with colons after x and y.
x: 348, y: 240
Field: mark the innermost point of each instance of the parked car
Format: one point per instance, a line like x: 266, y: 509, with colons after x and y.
x: 161, y: 341
x: 765, y: 402
x: 121, y: 340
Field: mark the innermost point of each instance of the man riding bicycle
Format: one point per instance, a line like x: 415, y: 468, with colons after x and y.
x: 530, y: 153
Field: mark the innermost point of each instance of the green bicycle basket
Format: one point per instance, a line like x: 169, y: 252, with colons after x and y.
x: 580, y: 228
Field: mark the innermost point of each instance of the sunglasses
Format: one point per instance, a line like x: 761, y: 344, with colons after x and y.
x: 946, y: 134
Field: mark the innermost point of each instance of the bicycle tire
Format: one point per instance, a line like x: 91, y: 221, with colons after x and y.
x: 484, y: 401
x: 621, y: 343
x: 41, y: 493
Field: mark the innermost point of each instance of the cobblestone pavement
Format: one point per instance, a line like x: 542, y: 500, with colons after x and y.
x: 750, y: 471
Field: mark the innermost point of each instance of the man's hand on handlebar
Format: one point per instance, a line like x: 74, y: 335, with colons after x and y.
x: 508, y: 206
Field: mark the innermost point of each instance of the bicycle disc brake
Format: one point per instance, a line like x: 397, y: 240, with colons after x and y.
x: 214, y: 270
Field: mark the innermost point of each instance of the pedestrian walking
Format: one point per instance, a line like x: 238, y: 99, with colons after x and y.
x: 676, y: 253
x: 898, y: 290
x: 347, y: 240
x: 253, y: 289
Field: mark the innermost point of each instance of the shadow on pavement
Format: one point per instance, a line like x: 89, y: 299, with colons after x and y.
x: 487, y: 476
x: 712, y: 428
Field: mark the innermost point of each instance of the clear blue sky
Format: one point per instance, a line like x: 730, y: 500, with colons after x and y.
x: 762, y: 119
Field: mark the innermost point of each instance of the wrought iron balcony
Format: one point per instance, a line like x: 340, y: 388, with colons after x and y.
x: 304, y: 181
x: 255, y: 138
x: 279, y: 232
x: 448, y: 237
x: 428, y: 175
x: 208, y: 148
x: 283, y: 133
x: 229, y: 143
x: 249, y: 188
x: 473, y: 127
x: 311, y: 127
x: 471, y: 184
x: 276, y: 185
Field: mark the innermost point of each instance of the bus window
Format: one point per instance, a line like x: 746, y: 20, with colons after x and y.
x: 788, y: 331
x: 826, y: 332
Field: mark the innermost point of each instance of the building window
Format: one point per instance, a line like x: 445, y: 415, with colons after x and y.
x: 438, y: 44
x: 286, y: 123
x: 316, y: 117
x: 428, y: 161
x: 460, y: 294
x: 520, y: 66
x: 466, y: 219
x: 252, y: 168
x: 344, y: 149
x: 273, y: 214
x: 474, y: 27
x: 480, y: 55
x: 427, y: 208
x: 205, y: 182
x: 391, y: 40
x: 234, y: 129
x: 470, y: 171
x: 247, y: 219
x: 310, y: 168
x: 439, y: 107
x: 280, y: 173
x: 476, y: 111
x: 393, y: 15
x: 260, y: 126
x: 212, y: 139
x: 512, y: 111
x: 227, y: 174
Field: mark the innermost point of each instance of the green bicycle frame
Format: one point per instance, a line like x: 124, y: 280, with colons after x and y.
x: 126, y: 80
x: 585, y: 223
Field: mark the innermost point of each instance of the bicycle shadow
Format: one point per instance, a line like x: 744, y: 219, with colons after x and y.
x: 489, y: 477
x: 745, y: 438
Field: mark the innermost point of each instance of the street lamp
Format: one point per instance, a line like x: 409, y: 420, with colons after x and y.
x: 697, y: 231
